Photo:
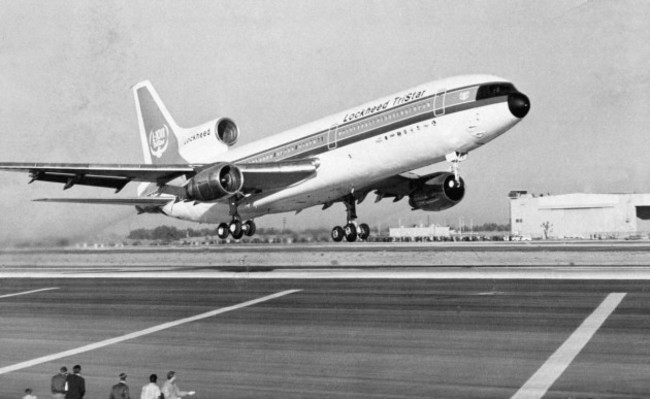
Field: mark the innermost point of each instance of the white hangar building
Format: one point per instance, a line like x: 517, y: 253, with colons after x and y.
x: 579, y: 215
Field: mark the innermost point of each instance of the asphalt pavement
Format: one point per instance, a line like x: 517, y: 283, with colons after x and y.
x: 327, y: 337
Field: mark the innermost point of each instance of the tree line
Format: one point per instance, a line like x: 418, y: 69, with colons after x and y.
x: 171, y: 233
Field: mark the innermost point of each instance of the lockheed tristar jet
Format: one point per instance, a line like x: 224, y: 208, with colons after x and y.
x: 198, y: 174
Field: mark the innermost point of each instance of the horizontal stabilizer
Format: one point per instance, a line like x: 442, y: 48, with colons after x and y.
x: 137, y: 201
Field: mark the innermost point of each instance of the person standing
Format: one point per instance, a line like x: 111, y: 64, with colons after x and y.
x: 28, y: 394
x: 151, y: 390
x: 170, y: 390
x: 76, y: 384
x: 120, y: 390
x: 58, y: 383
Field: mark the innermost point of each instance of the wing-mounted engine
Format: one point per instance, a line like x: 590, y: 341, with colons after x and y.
x: 216, y: 182
x: 437, y: 192
x: 201, y: 144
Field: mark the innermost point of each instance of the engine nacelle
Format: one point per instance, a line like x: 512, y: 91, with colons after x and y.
x: 218, y: 181
x: 437, y: 193
x: 227, y: 131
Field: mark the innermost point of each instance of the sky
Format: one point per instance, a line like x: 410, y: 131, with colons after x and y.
x: 67, y: 68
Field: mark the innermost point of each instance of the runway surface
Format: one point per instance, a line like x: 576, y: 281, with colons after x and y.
x: 234, y: 335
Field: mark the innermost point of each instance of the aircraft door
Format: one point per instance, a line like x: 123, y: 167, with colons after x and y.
x: 331, y: 136
x: 439, y: 103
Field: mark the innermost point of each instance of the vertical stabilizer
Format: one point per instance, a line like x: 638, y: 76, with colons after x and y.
x: 158, y: 131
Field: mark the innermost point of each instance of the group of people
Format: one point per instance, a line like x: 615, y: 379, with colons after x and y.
x: 68, y: 386
x: 151, y: 390
x: 73, y: 386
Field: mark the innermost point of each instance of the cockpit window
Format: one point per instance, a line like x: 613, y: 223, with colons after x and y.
x: 495, y: 90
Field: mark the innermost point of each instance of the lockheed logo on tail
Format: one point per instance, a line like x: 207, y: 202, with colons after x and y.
x: 158, y: 141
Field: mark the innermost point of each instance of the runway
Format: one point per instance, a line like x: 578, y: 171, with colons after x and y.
x: 237, y: 334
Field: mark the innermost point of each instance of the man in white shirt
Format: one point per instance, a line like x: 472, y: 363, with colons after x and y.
x: 151, y: 390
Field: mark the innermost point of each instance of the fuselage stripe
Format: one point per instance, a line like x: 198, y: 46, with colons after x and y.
x: 394, y: 118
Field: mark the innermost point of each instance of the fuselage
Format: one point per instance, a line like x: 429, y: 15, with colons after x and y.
x: 364, y: 145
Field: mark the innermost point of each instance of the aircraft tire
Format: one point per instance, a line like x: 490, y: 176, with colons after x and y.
x: 222, y: 231
x: 239, y: 235
x: 364, y: 231
x: 249, y: 228
x: 337, y: 234
x: 350, y: 232
x: 235, y: 229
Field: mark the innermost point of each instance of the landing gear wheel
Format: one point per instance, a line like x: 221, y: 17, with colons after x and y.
x: 249, y: 228
x: 235, y: 229
x: 222, y: 231
x: 337, y: 234
x: 364, y: 231
x: 350, y: 232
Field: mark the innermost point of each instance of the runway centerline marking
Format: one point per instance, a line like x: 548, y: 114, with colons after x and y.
x: 28, y: 292
x: 541, y: 381
x: 137, y: 334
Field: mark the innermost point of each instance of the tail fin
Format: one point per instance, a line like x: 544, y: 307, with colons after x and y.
x: 158, y: 131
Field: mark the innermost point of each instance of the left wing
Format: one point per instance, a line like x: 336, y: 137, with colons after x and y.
x: 258, y: 177
x: 100, y: 175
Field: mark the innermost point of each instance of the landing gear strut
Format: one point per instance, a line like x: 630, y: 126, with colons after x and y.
x: 351, y: 231
x: 456, y: 158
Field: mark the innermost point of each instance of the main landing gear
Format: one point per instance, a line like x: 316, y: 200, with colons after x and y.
x: 351, y: 231
x: 236, y: 228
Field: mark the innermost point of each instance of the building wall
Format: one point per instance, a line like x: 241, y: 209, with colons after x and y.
x: 576, y: 215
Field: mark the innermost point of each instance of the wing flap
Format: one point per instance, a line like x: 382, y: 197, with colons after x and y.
x: 99, y: 175
x: 69, y: 180
x: 138, y: 172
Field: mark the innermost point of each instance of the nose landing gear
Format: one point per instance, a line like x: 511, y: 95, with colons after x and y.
x: 351, y: 231
x: 455, y: 158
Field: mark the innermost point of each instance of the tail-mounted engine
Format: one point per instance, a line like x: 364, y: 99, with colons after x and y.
x: 203, y: 143
x: 227, y: 131
x: 216, y: 182
x: 437, y: 193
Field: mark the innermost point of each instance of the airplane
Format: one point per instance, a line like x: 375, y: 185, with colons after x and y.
x: 198, y: 174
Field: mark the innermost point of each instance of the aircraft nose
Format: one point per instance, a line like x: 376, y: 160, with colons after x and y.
x: 519, y: 104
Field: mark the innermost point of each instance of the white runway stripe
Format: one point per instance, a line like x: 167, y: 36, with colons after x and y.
x: 29, y: 292
x: 550, y: 371
x: 436, y: 272
x: 138, y: 334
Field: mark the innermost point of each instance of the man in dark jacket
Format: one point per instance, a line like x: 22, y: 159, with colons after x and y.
x: 76, y: 384
x: 120, y: 390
